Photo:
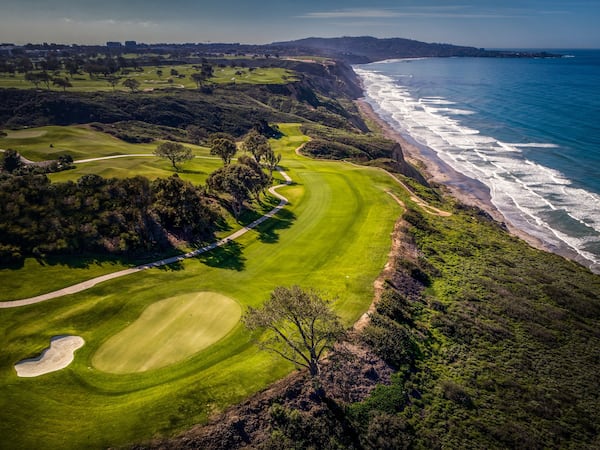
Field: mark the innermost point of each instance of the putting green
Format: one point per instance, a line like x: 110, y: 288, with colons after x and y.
x: 169, y: 331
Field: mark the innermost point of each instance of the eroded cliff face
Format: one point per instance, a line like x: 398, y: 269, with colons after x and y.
x: 404, y: 167
x: 292, y: 409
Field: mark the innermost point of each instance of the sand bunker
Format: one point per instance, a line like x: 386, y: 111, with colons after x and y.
x: 58, y: 356
x: 25, y: 134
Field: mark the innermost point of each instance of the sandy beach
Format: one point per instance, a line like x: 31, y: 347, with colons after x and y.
x: 467, y: 190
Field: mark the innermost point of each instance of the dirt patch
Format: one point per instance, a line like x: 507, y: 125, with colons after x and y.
x: 349, y: 376
x: 56, y: 357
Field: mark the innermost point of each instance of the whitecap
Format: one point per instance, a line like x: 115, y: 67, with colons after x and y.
x: 524, y: 191
x: 534, y: 145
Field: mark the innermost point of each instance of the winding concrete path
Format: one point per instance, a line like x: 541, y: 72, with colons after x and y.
x: 110, y: 276
x: 130, y: 155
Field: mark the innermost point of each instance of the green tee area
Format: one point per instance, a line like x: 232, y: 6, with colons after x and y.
x: 152, y: 78
x: 333, y: 235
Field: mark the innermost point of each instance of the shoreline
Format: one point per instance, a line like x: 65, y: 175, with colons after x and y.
x: 466, y: 190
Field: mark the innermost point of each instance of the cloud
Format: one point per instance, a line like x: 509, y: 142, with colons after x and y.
x: 447, y: 12
x: 349, y: 14
x: 108, y: 23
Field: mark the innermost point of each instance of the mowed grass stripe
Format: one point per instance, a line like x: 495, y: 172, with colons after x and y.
x: 169, y: 331
x: 195, y: 171
x: 80, y: 142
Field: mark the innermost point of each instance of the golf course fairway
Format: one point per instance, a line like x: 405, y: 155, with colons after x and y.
x: 334, y: 236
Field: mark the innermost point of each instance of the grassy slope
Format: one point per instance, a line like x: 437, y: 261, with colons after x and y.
x: 514, y: 331
x: 78, y: 141
x: 149, y: 78
x: 81, y: 142
x: 334, y: 235
x: 196, y: 171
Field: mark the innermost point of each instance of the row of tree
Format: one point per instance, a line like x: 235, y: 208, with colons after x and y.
x: 46, y: 79
x: 224, y: 146
x: 95, y: 214
x: 72, y: 65
x: 242, y: 181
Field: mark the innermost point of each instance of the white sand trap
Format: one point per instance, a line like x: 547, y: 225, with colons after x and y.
x: 58, y: 356
x: 25, y: 134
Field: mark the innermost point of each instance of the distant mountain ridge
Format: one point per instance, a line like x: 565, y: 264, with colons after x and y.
x: 364, y: 49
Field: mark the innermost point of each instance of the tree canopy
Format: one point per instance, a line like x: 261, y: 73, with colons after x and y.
x: 132, y: 84
x: 257, y: 144
x: 272, y: 160
x: 300, y: 326
x: 241, y: 181
x: 223, y: 147
x: 95, y: 214
x: 11, y: 160
x: 64, y: 83
x: 174, y: 152
x: 206, y: 72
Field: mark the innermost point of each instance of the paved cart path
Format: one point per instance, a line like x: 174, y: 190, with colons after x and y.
x: 162, y: 262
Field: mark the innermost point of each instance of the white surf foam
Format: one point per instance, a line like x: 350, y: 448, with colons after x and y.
x: 524, y: 191
x: 534, y: 145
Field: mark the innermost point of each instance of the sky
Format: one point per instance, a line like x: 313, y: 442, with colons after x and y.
x: 478, y: 23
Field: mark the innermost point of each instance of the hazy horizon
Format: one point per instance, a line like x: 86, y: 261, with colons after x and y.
x: 478, y: 23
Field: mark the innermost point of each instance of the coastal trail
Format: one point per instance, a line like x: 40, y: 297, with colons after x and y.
x: 413, y: 197
x: 418, y: 200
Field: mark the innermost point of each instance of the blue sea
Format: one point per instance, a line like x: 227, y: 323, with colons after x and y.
x: 529, y: 129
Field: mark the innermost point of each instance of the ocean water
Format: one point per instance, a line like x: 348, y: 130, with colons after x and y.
x: 529, y: 129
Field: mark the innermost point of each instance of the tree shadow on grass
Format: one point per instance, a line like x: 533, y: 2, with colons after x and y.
x: 228, y: 256
x: 268, y: 231
x: 260, y: 208
x: 88, y: 260
x: 173, y: 267
x: 192, y: 172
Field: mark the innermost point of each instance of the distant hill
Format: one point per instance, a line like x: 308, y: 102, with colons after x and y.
x: 368, y: 49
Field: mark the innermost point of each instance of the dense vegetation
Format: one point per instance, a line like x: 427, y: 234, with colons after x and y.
x: 366, y: 148
x: 230, y: 109
x: 510, y: 350
x: 95, y: 214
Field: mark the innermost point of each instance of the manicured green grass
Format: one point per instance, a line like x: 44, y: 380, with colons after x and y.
x: 169, y: 331
x: 152, y: 167
x: 240, y: 75
x: 150, y: 79
x: 82, y: 142
x: 39, y: 277
x: 334, y: 236
x: 39, y: 144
